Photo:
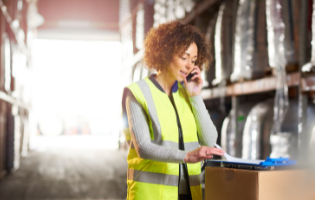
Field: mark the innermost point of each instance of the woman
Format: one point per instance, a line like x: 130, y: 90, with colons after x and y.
x: 167, y: 119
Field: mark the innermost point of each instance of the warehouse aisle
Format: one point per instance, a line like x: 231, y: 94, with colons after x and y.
x: 68, y: 174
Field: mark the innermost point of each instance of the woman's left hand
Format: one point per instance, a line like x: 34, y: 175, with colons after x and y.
x: 194, y: 86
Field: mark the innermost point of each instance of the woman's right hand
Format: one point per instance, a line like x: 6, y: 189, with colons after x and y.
x: 201, y: 154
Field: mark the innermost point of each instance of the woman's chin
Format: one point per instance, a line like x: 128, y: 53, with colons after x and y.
x: 180, y: 79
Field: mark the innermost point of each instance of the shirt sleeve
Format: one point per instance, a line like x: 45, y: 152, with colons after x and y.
x: 140, y: 135
x: 207, y: 132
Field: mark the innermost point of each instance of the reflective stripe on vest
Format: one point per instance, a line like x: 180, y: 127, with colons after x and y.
x: 159, y: 178
x: 162, y: 121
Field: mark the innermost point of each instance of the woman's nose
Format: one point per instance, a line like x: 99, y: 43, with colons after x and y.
x: 189, y: 65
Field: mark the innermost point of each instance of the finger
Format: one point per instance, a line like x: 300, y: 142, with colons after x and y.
x: 207, y: 157
x: 197, y: 76
x: 185, y: 82
x: 195, y: 70
x: 215, y: 151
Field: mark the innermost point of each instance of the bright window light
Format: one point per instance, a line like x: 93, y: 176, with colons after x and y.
x: 76, y: 85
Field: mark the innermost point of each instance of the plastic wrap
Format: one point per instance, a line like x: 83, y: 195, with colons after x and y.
x: 209, y: 75
x: 230, y: 141
x: 244, y: 43
x: 291, y: 11
x: 168, y: 10
x: 280, y: 145
x: 189, y: 5
x: 224, y: 33
x: 217, y: 44
x: 284, y: 142
x: 140, y: 27
x: 276, y: 52
x: 257, y: 131
x: 312, y: 146
x: 309, y: 129
x: 137, y: 72
x: 250, y: 52
x: 217, y: 118
x: 7, y: 62
x: 310, y: 66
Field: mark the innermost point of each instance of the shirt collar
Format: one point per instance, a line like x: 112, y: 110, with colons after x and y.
x: 154, y: 81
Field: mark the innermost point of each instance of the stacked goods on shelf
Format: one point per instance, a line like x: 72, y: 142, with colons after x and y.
x: 223, y: 42
x: 291, y: 12
x: 133, y: 35
x: 145, y: 72
x: 2, y: 52
x: 4, y: 63
x: 310, y: 66
x: 3, y: 131
x: 168, y: 10
x: 256, y: 136
x: 137, y: 72
x: 20, y: 74
x: 312, y: 146
x: 159, y: 12
x: 7, y: 63
x: 259, y: 143
x: 282, y: 41
x: 25, y: 133
x: 250, y: 50
x: 217, y: 117
x: 309, y: 131
x: 15, y: 138
x: 9, y: 163
x: 280, y: 141
x: 144, y: 22
x: 284, y: 142
x: 230, y: 140
x: 17, y: 11
x: 209, y: 75
x: 140, y: 27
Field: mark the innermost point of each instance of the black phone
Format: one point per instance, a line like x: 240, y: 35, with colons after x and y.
x: 189, y: 76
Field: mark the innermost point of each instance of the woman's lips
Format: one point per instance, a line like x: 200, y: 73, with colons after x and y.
x: 184, y: 73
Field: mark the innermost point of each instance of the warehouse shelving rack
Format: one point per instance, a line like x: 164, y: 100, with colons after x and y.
x: 14, y: 110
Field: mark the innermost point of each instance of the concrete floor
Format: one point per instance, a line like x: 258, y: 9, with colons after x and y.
x: 68, y: 174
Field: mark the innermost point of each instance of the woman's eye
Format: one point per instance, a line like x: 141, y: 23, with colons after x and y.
x: 183, y: 58
x: 193, y: 61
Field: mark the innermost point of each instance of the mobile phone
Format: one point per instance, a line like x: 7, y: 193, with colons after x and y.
x: 189, y: 76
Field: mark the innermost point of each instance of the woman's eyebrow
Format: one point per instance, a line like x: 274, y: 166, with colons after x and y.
x: 189, y: 54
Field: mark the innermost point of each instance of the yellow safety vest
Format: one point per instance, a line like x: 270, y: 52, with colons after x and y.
x: 149, y: 179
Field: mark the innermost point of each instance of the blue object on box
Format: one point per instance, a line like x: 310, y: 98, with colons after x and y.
x: 267, y: 164
x: 277, y: 162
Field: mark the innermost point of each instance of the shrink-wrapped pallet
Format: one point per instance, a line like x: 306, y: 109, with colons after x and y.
x: 209, y: 75
x: 250, y: 50
x: 223, y: 41
x: 256, y: 142
x: 310, y: 66
x: 231, y: 141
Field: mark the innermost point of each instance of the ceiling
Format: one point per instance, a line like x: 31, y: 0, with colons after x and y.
x: 79, y: 19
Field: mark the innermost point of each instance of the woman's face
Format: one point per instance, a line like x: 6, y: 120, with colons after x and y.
x: 182, y: 64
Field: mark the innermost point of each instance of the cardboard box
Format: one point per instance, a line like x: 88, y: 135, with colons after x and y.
x: 237, y: 184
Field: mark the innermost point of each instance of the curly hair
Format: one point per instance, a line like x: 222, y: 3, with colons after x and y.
x: 169, y: 39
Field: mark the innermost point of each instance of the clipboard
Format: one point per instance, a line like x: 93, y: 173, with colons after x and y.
x: 269, y: 163
x: 232, y: 162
